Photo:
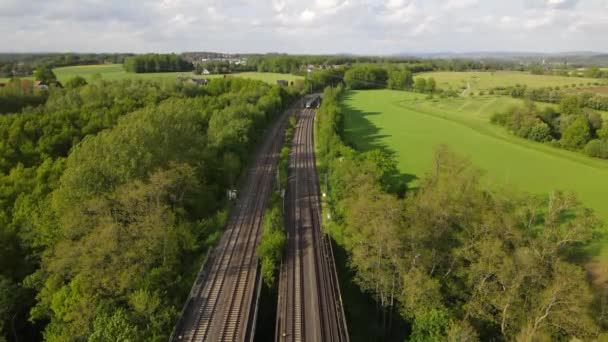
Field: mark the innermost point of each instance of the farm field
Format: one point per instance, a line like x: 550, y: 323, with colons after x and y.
x: 116, y: 72
x: 477, y: 80
x: 411, y: 127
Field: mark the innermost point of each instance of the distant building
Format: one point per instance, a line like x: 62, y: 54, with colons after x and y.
x: 283, y: 83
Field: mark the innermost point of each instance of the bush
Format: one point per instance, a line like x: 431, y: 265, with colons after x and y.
x: 597, y: 149
x: 577, y: 134
x: 539, y: 132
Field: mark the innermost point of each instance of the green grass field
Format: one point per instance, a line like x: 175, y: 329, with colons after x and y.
x: 411, y: 127
x: 476, y: 81
x: 116, y: 72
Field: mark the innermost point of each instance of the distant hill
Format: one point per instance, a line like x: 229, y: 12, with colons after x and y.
x: 574, y: 58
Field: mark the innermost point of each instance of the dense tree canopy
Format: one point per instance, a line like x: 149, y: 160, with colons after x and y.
x: 156, y: 63
x: 106, y: 216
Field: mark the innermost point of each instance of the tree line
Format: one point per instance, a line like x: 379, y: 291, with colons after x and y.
x: 156, y: 63
x: 456, y: 260
x: 556, y: 94
x: 112, y: 192
x: 377, y: 76
x: 571, y: 126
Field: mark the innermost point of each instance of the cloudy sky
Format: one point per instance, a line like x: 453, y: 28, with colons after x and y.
x: 295, y: 26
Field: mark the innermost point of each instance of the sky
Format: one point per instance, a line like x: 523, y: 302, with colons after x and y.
x: 312, y: 27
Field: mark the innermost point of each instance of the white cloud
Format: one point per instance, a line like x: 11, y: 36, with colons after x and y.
x: 460, y: 4
x: 307, y: 15
x: 299, y: 26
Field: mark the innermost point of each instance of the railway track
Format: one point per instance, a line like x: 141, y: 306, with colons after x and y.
x: 223, y: 300
x: 309, y: 306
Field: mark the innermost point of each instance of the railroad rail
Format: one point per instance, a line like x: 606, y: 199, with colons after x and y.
x: 223, y: 299
x: 309, y: 306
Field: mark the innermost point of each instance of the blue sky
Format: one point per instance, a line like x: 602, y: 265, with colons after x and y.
x: 314, y: 26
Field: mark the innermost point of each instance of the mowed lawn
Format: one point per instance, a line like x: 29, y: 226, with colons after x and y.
x: 412, y: 127
x: 116, y: 72
x: 482, y: 80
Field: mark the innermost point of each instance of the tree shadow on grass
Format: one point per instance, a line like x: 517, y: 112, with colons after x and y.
x: 363, y: 136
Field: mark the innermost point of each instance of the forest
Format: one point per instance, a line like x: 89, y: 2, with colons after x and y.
x: 111, y: 194
x: 455, y: 260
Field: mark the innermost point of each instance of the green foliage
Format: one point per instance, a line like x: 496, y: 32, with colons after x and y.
x: 365, y: 76
x: 156, y: 63
x: 113, y: 327
x: 109, y: 238
x: 44, y: 73
x: 431, y: 85
x: 459, y: 261
x: 527, y: 122
x: 593, y: 72
x: 19, y: 94
x: 273, y: 239
x: 574, y: 126
x: 400, y: 79
x: 75, y: 82
x: 420, y: 85
x: 272, y: 242
x: 602, y: 133
x: 576, y: 134
x: 570, y: 105
x: 430, y: 327
x: 597, y: 148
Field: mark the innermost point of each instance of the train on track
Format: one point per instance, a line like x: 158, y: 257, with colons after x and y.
x: 313, y: 101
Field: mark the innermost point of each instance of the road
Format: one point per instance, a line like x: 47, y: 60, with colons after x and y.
x: 223, y: 301
x: 309, y: 305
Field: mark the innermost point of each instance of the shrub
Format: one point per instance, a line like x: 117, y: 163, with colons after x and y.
x: 577, y: 134
x: 597, y: 149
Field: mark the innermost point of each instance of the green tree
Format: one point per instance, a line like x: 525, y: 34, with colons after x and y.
x: 76, y: 82
x: 602, y: 133
x: 577, y: 134
x: 113, y: 327
x: 430, y: 327
x: 431, y: 85
x: 597, y: 148
x: 44, y: 73
x: 570, y: 105
x: 420, y: 85
x: 592, y: 72
x: 400, y: 79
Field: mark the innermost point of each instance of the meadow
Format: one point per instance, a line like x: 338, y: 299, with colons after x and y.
x: 411, y: 127
x: 112, y: 72
x: 479, y: 80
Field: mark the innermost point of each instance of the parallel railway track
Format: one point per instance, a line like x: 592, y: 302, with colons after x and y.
x: 224, y: 295
x: 309, y: 306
